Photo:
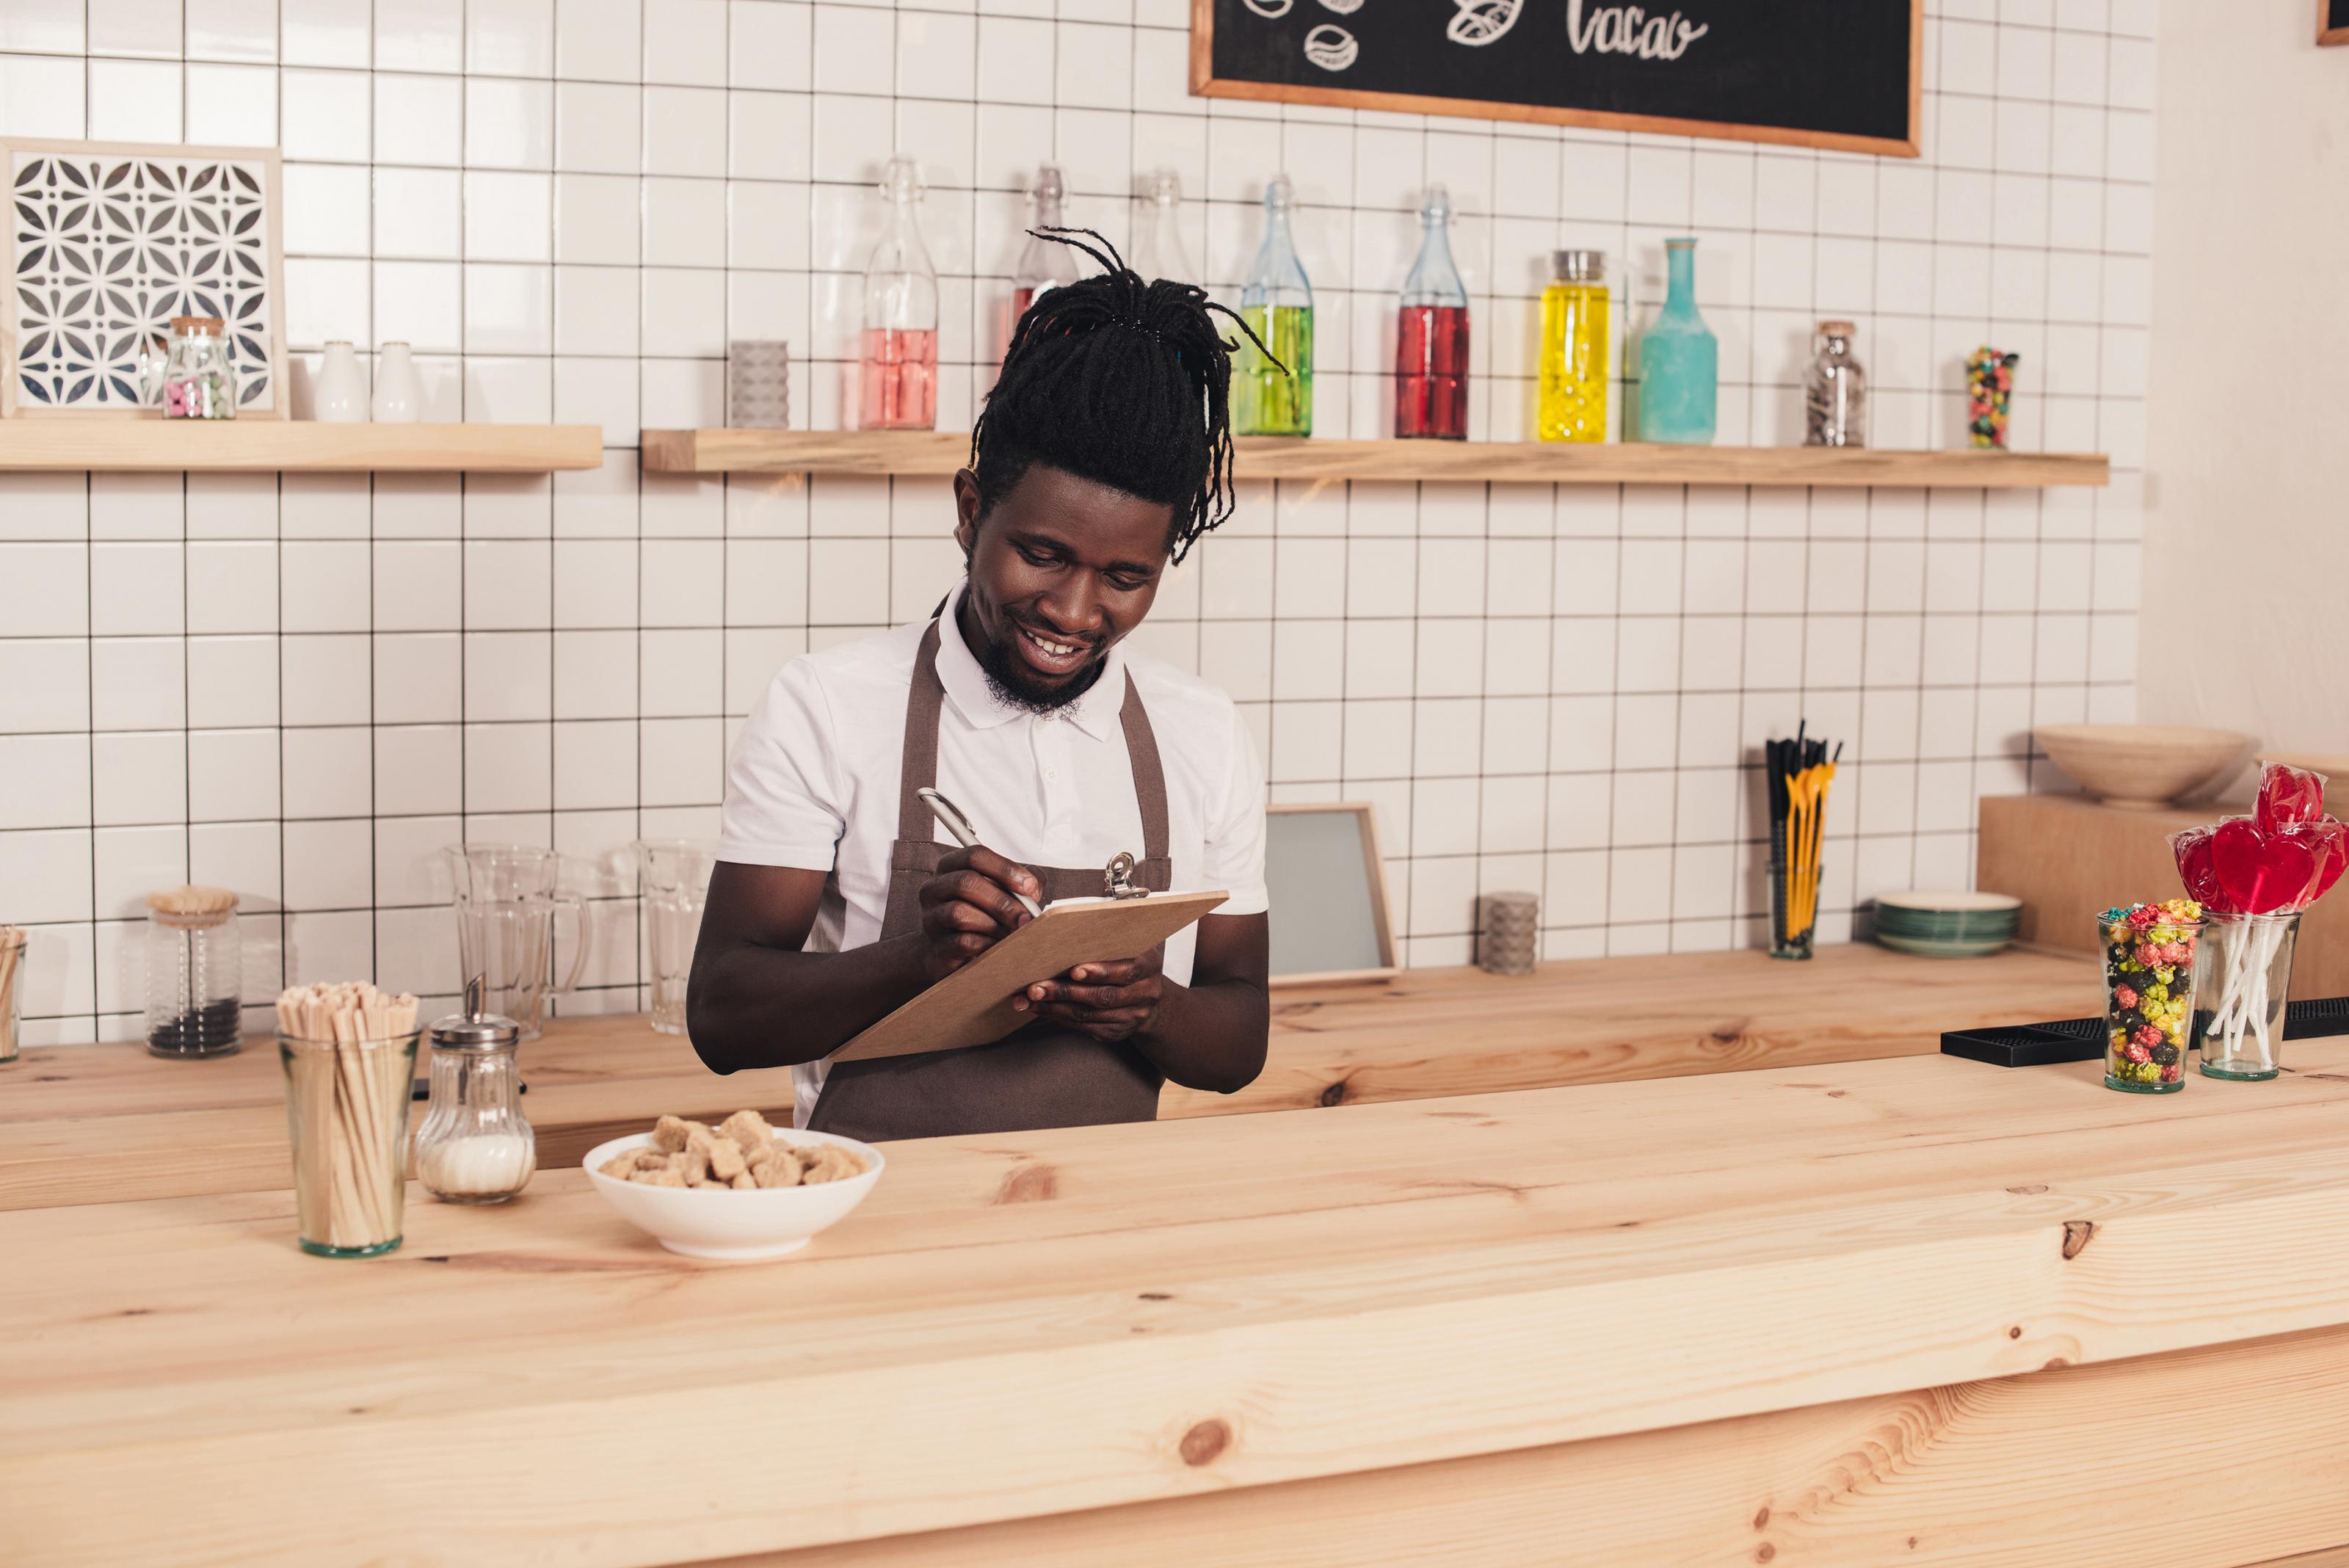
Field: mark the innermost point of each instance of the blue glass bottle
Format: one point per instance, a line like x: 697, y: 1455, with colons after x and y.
x: 1679, y: 361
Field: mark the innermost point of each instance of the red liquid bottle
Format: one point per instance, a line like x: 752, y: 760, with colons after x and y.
x: 1432, y: 334
x: 1043, y: 264
x: 899, y: 379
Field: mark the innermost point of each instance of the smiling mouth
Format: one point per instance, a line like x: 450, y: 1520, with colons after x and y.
x: 1052, y: 654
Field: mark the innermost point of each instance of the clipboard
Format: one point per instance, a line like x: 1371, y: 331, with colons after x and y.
x: 972, y: 1006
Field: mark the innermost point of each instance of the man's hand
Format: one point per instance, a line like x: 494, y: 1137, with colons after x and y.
x: 968, y: 905
x: 1114, y: 1000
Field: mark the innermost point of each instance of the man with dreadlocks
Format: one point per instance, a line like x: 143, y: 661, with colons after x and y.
x: 1102, y: 455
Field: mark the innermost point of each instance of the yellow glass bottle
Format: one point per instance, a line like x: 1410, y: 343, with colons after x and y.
x: 1574, y: 359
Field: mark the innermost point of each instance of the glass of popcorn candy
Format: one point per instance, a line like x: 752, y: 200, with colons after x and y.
x: 2149, y: 952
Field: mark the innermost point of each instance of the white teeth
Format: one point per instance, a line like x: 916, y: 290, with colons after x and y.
x: 1057, y: 649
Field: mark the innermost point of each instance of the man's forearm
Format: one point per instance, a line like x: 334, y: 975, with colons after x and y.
x: 1209, y: 1036
x: 751, y: 1006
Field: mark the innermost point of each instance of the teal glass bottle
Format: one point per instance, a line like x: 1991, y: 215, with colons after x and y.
x: 1278, y: 305
x: 1679, y: 361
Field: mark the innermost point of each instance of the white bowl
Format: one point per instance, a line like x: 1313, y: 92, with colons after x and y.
x: 720, y: 1222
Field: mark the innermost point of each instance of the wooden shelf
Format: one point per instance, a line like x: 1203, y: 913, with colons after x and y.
x: 293, y: 446
x: 940, y: 452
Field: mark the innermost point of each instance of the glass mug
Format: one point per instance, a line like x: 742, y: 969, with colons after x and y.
x: 506, y: 908
x: 673, y: 876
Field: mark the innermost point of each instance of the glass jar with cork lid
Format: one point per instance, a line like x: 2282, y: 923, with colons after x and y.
x: 194, y: 380
x: 196, y: 972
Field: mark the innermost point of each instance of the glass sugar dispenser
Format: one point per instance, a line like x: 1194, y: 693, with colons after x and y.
x: 475, y: 1145
x: 195, y: 973
x: 1834, y: 390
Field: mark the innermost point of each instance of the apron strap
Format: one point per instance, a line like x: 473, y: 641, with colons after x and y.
x: 1149, y: 775
x: 918, y: 764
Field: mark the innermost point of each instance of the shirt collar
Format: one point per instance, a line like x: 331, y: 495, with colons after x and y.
x: 1096, y: 712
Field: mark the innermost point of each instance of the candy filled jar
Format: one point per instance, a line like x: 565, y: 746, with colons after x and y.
x: 2151, y: 953
x: 194, y: 380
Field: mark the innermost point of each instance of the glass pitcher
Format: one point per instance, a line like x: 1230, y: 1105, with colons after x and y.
x: 673, y: 877
x: 506, y: 906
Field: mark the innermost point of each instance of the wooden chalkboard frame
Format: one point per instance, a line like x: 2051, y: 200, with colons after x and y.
x: 1204, y: 83
x: 1375, y: 868
x: 2332, y: 21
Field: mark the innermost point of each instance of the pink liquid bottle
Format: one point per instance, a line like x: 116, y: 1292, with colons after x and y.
x: 900, y: 373
x: 1432, y: 333
x: 1043, y: 264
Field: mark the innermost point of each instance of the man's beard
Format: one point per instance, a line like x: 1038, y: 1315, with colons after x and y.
x: 1008, y: 677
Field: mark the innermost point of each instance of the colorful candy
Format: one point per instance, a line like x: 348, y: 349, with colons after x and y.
x: 1990, y: 387
x: 2149, y: 993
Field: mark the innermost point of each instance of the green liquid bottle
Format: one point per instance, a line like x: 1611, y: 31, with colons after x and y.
x: 1278, y: 305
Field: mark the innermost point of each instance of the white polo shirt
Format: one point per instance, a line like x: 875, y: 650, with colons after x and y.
x: 812, y: 782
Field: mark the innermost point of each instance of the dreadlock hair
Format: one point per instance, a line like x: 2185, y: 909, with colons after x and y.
x: 1121, y: 381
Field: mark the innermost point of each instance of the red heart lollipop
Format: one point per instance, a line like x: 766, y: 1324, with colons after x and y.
x: 2289, y: 797
x: 2192, y: 847
x: 2260, y: 872
x: 2328, y: 839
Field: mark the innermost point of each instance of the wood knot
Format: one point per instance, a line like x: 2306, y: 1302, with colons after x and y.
x: 1335, y: 1095
x: 2015, y: 1333
x: 1762, y: 1519
x: 2028, y: 1189
x: 1205, y: 1441
x: 1764, y: 1553
x: 1157, y: 1296
x: 1029, y: 1184
x: 2055, y: 1361
x: 1837, y: 1094
x: 2078, y: 1234
x: 1730, y: 1033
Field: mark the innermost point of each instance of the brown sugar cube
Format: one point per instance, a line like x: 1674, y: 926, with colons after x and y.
x: 704, y: 1181
x: 650, y: 1159
x: 832, y: 1163
x: 743, y: 1181
x: 669, y: 1133
x: 725, y: 1161
x: 748, y: 1129
x: 781, y: 1170
x: 622, y: 1165
x: 691, y: 1163
x: 662, y: 1178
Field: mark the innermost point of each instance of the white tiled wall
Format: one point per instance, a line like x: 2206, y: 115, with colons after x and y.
x: 298, y: 685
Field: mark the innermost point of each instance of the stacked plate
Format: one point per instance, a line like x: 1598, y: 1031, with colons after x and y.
x: 1947, y: 925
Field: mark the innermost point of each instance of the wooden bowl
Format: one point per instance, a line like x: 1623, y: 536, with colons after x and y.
x: 2141, y: 766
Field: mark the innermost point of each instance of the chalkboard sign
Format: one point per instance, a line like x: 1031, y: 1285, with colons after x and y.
x: 2332, y: 21
x: 1819, y: 73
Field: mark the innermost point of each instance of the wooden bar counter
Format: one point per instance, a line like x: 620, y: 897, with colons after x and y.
x: 220, y: 1127
x: 1911, y: 1309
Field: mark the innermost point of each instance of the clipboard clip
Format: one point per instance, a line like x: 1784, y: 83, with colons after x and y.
x: 1117, y: 881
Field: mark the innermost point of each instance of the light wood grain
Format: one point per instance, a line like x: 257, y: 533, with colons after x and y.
x: 294, y: 446
x: 942, y: 453
x: 2046, y: 1469
x: 1048, y: 1321
x: 220, y: 1125
x: 2066, y: 857
x: 1204, y: 83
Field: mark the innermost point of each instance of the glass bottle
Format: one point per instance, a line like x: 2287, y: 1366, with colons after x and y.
x: 1574, y: 353
x: 1158, y: 248
x: 900, y: 380
x: 1278, y: 305
x: 195, y: 973
x: 1679, y: 361
x: 1432, y: 333
x: 475, y: 1145
x: 1834, y: 391
x: 1042, y: 263
x: 195, y: 379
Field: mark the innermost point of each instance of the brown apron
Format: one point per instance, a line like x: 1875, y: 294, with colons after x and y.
x: 1042, y: 1076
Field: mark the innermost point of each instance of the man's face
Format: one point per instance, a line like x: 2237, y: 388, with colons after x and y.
x: 1061, y: 569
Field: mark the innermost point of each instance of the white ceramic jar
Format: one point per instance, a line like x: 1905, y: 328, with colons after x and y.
x: 339, y: 395
x: 399, y: 395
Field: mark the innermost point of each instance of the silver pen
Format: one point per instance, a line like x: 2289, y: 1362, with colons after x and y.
x: 955, y: 823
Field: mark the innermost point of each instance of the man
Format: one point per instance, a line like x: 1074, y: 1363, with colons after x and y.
x: 1102, y: 455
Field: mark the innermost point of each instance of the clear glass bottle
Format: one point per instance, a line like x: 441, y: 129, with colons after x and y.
x: 900, y: 374
x: 1042, y: 263
x: 1574, y: 349
x: 1432, y: 333
x: 195, y: 379
x: 1277, y: 305
x: 1834, y: 391
x: 1679, y: 361
x: 196, y: 972
x: 1158, y: 248
x: 475, y: 1145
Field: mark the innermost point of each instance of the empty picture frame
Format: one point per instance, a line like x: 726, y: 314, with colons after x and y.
x: 1328, y: 893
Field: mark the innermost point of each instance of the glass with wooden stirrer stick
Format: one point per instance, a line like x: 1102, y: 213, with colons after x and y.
x: 350, y: 1052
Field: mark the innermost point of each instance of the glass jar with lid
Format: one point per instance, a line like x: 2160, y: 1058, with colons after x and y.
x: 1835, y: 393
x: 475, y: 1145
x: 195, y: 379
x: 196, y: 972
